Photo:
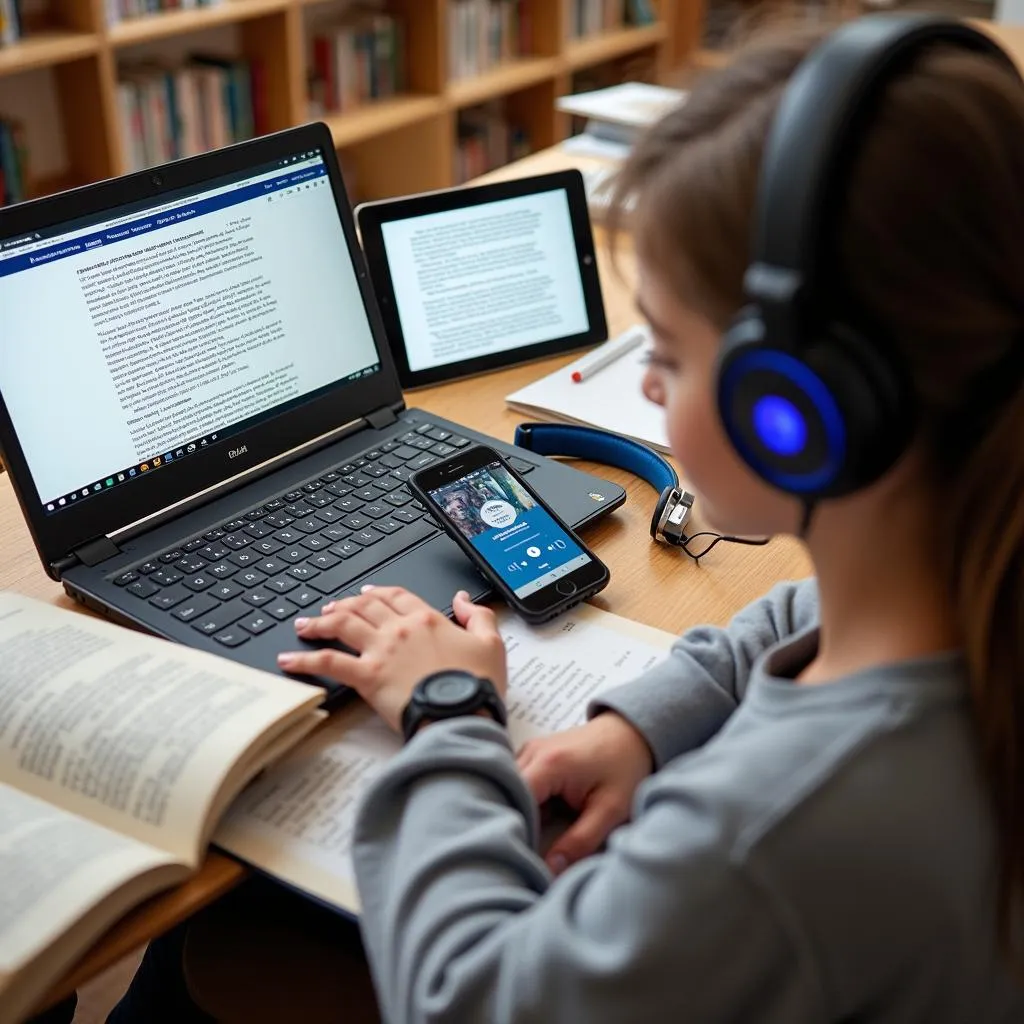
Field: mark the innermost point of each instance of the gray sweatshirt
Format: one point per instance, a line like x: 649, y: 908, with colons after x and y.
x: 802, y: 853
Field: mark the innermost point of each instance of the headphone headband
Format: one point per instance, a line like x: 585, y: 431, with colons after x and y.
x: 809, y: 148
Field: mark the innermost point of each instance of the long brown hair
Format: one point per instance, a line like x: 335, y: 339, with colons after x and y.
x: 930, y: 243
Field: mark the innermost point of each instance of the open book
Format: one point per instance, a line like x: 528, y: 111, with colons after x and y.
x: 296, y: 822
x: 118, y: 754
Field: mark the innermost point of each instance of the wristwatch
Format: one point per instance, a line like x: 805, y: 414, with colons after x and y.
x: 450, y: 694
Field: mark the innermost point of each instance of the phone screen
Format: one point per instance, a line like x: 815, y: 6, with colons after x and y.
x: 518, y: 538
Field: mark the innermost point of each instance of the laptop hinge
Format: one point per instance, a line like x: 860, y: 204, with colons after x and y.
x: 93, y: 552
x: 382, y: 417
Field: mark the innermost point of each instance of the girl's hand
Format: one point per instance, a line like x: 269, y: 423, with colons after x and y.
x: 400, y: 640
x: 595, y: 768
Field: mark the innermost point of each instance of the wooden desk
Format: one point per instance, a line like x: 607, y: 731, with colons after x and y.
x: 650, y: 583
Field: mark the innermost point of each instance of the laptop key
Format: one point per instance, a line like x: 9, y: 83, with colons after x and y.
x: 360, y: 562
x: 406, y: 515
x: 305, y: 596
x: 308, y: 525
x: 303, y: 573
x: 368, y: 536
x: 231, y: 637
x: 388, y: 483
x: 424, y: 428
x: 293, y: 496
x: 258, y: 623
x: 391, y: 461
x: 226, y: 591
x: 358, y: 479
x: 267, y: 546
x: 170, y: 556
x: 260, y: 529
x: 257, y: 597
x: 441, y: 449
x: 374, y: 454
x: 273, y: 506
x: 125, y: 578
x: 330, y: 477
x: 221, y: 616
x: 281, y: 609
x: 402, y: 474
x: 368, y: 494
x: 293, y: 555
x: 247, y: 556
x: 405, y: 453
x: 147, y: 567
x: 388, y: 525
x: 321, y: 500
x: 282, y: 584
x: 213, y: 535
x: 375, y: 471
x: 201, y: 581
x: 398, y: 498
x: 236, y: 541
x: 190, y: 564
x: 335, y: 533
x: 376, y: 511
x: 272, y: 566
x: 200, y: 604
x: 170, y: 597
x: 143, y: 588
x: 193, y: 545
x: 299, y: 510
x: 347, y: 548
x: 279, y: 520
x: 460, y: 442
x: 289, y: 535
x: 222, y: 570
x: 214, y: 552
x: 316, y: 542
x: 356, y: 521
x: 324, y: 560
x: 312, y: 487
x: 234, y: 525
x: 254, y: 514
x: 388, y: 447
x: 339, y: 490
x: 250, y: 577
x: 328, y: 515
x: 422, y: 443
x: 165, y: 577
x: 348, y: 504
x: 437, y: 434
x: 426, y: 459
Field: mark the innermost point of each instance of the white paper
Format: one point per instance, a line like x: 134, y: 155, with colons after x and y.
x: 635, y: 104
x: 296, y: 821
x: 611, y: 399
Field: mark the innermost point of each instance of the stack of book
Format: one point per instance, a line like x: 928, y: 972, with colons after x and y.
x: 485, y: 140
x: 10, y: 21
x: 485, y: 33
x: 118, y: 10
x: 589, y: 17
x: 172, y: 112
x: 356, y: 60
x: 14, y: 179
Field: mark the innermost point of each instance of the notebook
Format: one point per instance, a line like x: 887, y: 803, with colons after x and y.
x: 198, y: 410
x: 611, y: 399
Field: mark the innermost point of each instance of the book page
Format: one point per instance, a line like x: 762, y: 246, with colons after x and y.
x: 132, y: 732
x: 55, y: 867
x: 296, y: 821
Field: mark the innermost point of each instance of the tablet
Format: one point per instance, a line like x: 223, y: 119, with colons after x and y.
x: 477, y: 279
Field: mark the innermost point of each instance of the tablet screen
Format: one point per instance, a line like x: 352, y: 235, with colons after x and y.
x: 482, y: 277
x: 485, y: 279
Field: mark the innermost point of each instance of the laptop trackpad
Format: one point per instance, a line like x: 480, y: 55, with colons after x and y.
x: 433, y: 571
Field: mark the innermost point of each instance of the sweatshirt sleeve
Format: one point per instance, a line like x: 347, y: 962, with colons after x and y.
x: 463, y: 922
x: 682, y: 702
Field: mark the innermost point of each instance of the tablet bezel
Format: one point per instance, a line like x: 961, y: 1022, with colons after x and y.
x: 372, y: 216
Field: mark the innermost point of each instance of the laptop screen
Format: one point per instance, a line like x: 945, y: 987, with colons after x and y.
x: 137, y: 337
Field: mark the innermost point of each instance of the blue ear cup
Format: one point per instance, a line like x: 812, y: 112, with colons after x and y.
x: 822, y: 423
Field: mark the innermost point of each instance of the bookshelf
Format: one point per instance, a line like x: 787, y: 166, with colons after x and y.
x: 60, y: 81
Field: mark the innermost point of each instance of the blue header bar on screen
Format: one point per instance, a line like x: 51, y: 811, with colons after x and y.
x: 187, y: 211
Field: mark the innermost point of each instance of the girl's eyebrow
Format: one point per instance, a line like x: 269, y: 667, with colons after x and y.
x: 659, y: 328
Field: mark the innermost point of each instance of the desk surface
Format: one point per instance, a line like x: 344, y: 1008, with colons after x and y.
x: 649, y: 582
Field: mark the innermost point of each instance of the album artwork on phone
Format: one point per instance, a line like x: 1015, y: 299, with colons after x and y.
x: 517, y: 537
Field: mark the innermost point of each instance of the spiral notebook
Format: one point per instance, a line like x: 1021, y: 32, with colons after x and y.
x: 611, y: 399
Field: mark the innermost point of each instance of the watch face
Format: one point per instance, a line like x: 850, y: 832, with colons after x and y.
x: 452, y: 690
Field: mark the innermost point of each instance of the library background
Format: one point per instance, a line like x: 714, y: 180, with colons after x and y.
x: 419, y: 94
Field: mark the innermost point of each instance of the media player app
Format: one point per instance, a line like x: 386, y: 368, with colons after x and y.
x: 517, y: 537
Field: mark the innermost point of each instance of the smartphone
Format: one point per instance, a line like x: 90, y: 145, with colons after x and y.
x: 533, y: 559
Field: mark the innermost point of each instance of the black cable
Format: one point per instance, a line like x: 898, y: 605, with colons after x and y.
x: 805, y: 521
x: 718, y: 537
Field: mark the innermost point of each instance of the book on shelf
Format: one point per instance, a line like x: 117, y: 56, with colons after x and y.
x: 122, y: 10
x: 483, y: 34
x: 485, y: 140
x: 119, y: 754
x: 10, y: 22
x: 15, y: 183
x: 591, y: 17
x: 296, y: 821
x: 354, y: 60
x: 171, y: 111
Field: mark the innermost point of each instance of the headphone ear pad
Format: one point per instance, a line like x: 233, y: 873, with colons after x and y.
x: 821, y: 422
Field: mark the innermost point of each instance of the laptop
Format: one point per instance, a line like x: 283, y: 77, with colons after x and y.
x: 198, y: 409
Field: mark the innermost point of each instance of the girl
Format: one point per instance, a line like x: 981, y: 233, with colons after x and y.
x: 825, y: 797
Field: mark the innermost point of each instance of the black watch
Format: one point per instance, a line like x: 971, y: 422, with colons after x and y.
x: 449, y: 694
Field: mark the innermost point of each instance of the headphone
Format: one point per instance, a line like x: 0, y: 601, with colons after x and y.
x: 672, y: 511
x: 812, y: 404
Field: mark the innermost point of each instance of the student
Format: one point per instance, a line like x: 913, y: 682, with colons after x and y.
x: 814, y: 814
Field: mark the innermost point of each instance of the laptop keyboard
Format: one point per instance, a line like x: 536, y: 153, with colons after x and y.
x: 244, y: 576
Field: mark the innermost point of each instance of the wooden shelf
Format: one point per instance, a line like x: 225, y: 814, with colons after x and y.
x: 132, y: 31
x: 582, y: 53
x: 380, y: 117
x: 45, y: 48
x: 508, y: 77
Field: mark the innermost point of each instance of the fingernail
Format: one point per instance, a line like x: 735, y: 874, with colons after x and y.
x: 558, y: 863
x: 327, y: 608
x: 301, y: 623
x: 285, y: 659
x: 464, y: 594
x: 365, y: 587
